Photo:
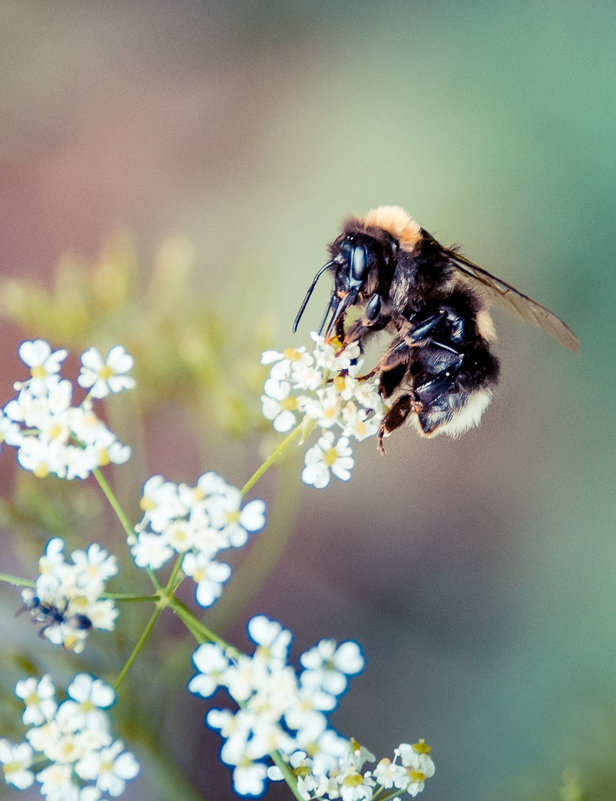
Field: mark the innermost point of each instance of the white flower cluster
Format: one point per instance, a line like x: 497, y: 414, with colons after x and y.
x: 279, y: 710
x: 69, y: 744
x: 325, y: 387
x: 349, y: 780
x: 198, y: 522
x: 50, y: 434
x: 66, y: 597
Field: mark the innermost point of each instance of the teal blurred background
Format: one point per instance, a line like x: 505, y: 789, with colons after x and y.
x: 478, y: 574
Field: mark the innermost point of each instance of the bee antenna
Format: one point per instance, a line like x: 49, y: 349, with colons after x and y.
x: 309, y: 293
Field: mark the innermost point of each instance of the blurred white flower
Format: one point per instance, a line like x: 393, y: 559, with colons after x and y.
x: 39, y: 698
x: 208, y: 575
x: 110, y: 767
x: 44, y: 364
x: 16, y: 762
x: 74, y: 742
x: 105, y: 376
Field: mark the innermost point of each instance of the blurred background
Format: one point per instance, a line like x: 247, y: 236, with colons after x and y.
x: 478, y: 574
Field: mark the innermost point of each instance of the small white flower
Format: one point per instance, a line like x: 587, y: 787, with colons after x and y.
x: 249, y: 779
x: 279, y: 405
x: 103, y: 614
x: 151, y: 551
x: 326, y: 358
x: 285, y: 363
x: 89, y: 691
x: 327, y: 665
x: 325, y: 408
x: 44, y: 363
x: 160, y: 503
x: 211, y: 663
x: 56, y: 781
x: 106, y: 376
x: 359, y: 422
x: 271, y: 637
x: 111, y: 767
x: 416, y: 757
x: 325, y: 457
x: 389, y: 774
x: 208, y: 575
x: 10, y: 432
x: 16, y: 761
x: 39, y: 698
x: 95, y: 564
x: 211, y: 483
x: 235, y: 522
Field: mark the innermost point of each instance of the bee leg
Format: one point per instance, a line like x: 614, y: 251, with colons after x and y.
x: 396, y: 417
x: 414, y: 334
x: 372, y: 320
x: 390, y: 380
x: 397, y: 354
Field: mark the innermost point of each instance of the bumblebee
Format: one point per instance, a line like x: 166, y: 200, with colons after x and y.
x: 438, y: 371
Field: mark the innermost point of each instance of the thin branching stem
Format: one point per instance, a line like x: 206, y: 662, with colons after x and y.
x: 278, y: 451
x: 139, y: 645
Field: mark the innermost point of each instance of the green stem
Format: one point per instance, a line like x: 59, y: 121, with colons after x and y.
x: 138, y: 647
x: 171, y: 585
x: 272, y: 457
x: 123, y: 596
x: 113, y: 501
x: 16, y: 581
x: 117, y: 508
x: 287, y: 773
x: 205, y: 634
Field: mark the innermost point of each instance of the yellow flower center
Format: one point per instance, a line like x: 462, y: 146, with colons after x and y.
x: 421, y: 747
x: 292, y: 355
x: 38, y: 371
x: 353, y: 780
x: 289, y: 404
x: 232, y: 517
x: 105, y: 372
x: 54, y: 431
x: 330, y: 456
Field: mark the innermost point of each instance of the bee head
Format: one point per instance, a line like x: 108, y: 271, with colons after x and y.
x: 362, y: 263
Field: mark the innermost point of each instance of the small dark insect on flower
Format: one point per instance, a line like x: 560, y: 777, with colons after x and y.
x: 50, y: 614
x: 438, y: 371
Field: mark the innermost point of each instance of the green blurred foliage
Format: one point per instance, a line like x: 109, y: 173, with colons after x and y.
x: 188, y: 348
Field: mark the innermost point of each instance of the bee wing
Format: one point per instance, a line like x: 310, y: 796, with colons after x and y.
x: 508, y: 296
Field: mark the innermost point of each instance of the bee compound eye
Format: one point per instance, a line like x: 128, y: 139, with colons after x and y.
x: 373, y: 308
x: 359, y: 261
